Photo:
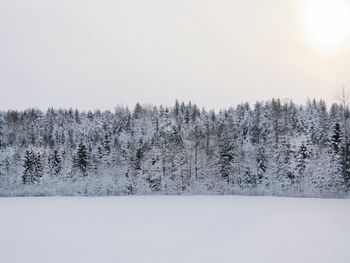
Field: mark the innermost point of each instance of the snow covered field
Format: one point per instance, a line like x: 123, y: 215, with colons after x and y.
x: 174, y: 229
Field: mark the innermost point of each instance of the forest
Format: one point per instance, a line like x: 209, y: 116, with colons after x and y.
x: 269, y: 148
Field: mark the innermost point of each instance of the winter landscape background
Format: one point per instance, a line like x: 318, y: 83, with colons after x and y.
x: 174, y: 131
x: 269, y: 148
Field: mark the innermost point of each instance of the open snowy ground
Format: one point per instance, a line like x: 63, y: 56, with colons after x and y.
x: 174, y: 229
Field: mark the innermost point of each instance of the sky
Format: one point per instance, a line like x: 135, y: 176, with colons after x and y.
x: 99, y: 54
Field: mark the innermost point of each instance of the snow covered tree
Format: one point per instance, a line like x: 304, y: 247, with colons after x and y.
x: 55, y: 163
x: 225, y: 156
x: 81, y: 160
x: 2, y: 129
x: 261, y: 160
x: 336, y: 138
x: 28, y: 163
x: 33, y: 169
x: 179, y: 150
x: 302, y: 156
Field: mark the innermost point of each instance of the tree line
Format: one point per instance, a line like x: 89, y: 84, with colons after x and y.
x: 268, y: 148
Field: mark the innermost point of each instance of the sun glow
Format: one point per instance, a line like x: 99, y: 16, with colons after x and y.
x: 326, y: 23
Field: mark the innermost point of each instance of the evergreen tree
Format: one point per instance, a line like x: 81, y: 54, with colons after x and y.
x: 302, y: 158
x: 256, y: 126
x: 283, y: 167
x: 55, y: 163
x: 225, y: 156
x: 138, y: 111
x: 32, y: 166
x: 81, y: 160
x: 38, y: 166
x: 28, y: 166
x: 262, y: 164
x: 336, y: 138
x: 2, y: 129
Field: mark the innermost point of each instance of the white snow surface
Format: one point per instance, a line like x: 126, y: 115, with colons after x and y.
x: 174, y: 229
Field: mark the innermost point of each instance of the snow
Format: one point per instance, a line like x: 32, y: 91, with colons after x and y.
x: 174, y: 229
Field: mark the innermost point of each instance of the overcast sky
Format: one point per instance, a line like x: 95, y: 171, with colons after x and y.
x: 98, y: 54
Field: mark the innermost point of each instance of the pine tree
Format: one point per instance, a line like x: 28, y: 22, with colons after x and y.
x: 55, y: 163
x: 302, y: 158
x: 336, y: 138
x: 28, y: 166
x: 345, y: 157
x: 339, y: 149
x: 262, y: 164
x: 33, y: 169
x: 138, y: 111
x: 256, y: 129
x: 38, y: 167
x: 2, y: 130
x: 81, y: 159
x: 155, y: 168
x: 107, y: 145
x: 248, y: 179
x: 283, y: 168
x: 176, y: 109
x: 303, y: 155
x: 225, y: 156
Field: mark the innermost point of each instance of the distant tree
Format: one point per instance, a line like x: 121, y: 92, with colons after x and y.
x: 256, y: 125
x: 261, y: 160
x: 225, y: 156
x: 38, y: 166
x: 176, y: 108
x: 81, y: 160
x: 28, y: 166
x: 343, y: 98
x: 33, y: 169
x: 2, y: 132
x: 138, y: 111
x: 302, y: 159
x: 55, y: 163
x: 336, y: 138
x: 303, y: 155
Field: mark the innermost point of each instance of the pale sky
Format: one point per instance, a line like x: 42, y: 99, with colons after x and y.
x: 103, y: 53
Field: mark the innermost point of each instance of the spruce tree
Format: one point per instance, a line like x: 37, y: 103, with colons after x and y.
x: 28, y: 166
x: 261, y: 160
x: 81, y: 159
x: 33, y: 168
x: 38, y: 167
x: 303, y: 155
x: 55, y: 163
x: 2, y: 129
x: 336, y: 138
x: 225, y: 156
